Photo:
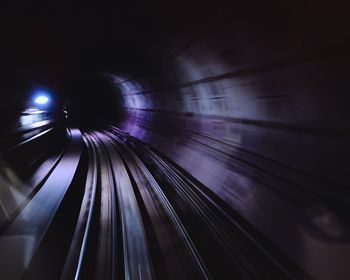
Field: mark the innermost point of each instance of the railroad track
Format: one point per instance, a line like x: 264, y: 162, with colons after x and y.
x: 135, y: 215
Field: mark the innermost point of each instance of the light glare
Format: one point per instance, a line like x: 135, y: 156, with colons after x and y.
x: 41, y: 100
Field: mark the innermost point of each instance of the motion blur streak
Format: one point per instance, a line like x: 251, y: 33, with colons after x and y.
x: 180, y: 140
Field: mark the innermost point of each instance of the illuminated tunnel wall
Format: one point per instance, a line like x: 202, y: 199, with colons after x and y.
x: 258, y: 113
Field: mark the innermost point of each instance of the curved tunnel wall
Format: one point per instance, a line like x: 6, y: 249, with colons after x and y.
x: 258, y: 113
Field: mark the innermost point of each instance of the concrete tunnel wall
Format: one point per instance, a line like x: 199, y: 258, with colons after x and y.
x: 259, y: 114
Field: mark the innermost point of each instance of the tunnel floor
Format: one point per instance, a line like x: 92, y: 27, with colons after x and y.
x: 111, y: 207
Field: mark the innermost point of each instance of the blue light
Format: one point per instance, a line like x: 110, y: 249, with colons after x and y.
x: 41, y: 98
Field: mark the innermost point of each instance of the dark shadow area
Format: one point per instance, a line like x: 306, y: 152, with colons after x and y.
x: 93, y: 103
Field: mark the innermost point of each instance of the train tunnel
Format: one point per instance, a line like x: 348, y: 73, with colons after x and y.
x: 174, y: 140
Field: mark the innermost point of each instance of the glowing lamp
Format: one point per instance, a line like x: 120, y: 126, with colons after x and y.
x: 41, y: 100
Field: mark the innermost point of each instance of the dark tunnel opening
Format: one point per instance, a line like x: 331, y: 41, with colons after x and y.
x: 179, y: 133
x: 94, y: 103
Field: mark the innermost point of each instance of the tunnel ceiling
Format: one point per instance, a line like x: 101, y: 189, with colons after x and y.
x: 61, y: 41
x: 50, y: 42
